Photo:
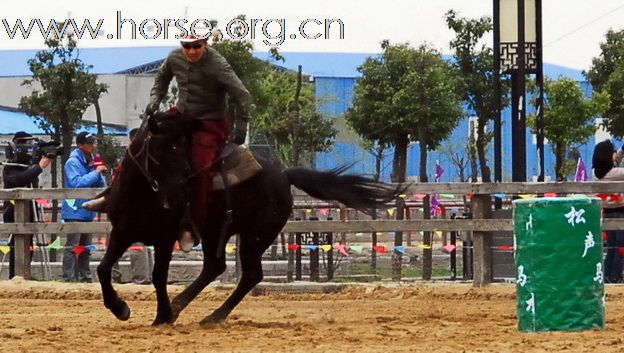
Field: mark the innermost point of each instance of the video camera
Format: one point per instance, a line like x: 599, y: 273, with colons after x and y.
x: 49, y: 149
x: 33, y: 151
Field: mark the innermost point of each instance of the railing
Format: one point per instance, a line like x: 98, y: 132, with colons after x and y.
x: 480, y: 199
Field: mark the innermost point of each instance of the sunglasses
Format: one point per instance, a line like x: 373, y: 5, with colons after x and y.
x: 191, y: 45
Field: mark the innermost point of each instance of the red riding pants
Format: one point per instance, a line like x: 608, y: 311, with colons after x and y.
x: 207, y: 144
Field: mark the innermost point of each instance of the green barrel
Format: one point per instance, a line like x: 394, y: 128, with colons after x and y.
x: 559, y: 273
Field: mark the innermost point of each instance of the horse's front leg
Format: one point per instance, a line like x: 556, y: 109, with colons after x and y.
x: 115, y: 249
x: 162, y: 259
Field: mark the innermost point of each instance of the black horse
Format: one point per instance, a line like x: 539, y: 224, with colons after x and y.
x: 147, y: 203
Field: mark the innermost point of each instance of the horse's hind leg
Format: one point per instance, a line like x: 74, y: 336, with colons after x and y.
x: 212, y: 268
x: 159, y: 278
x: 251, y: 249
x: 111, y: 300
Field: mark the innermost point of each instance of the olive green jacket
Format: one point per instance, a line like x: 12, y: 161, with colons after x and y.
x: 202, y: 87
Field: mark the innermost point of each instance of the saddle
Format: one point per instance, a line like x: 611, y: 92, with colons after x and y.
x: 236, y: 164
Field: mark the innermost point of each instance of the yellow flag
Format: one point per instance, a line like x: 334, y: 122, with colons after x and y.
x: 308, y: 210
x: 438, y: 233
x: 5, y: 249
x: 230, y: 249
x: 403, y: 196
x: 424, y: 246
x: 391, y: 211
x: 326, y: 248
x: 527, y: 196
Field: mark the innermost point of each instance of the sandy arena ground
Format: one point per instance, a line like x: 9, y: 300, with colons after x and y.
x: 54, y: 317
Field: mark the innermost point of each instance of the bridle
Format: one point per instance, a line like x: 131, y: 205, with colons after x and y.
x: 144, y: 168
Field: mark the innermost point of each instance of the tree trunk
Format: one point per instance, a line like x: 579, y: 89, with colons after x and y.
x: 427, y: 258
x: 472, y: 155
x: 481, y: 146
x: 559, y: 158
x: 296, y: 147
x: 98, y: 117
x: 399, y: 175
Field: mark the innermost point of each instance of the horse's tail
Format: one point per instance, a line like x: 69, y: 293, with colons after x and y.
x: 352, y: 190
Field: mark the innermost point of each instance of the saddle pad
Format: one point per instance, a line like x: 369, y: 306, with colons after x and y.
x: 240, y: 165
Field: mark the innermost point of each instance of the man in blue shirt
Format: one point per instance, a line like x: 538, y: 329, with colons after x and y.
x: 80, y: 173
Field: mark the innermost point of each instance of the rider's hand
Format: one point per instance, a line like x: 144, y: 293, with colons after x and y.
x: 101, y: 169
x: 45, y: 162
x: 151, y: 109
x: 238, y: 136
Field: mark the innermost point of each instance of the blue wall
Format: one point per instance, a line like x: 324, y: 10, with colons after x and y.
x: 335, y: 96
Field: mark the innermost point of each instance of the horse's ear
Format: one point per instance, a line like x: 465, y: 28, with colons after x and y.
x: 152, y: 125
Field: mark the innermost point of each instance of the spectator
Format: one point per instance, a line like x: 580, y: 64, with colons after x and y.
x: 80, y: 173
x: 20, y: 171
x: 604, y: 164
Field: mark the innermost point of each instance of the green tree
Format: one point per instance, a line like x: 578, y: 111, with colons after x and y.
x: 406, y: 94
x: 607, y: 75
x: 568, y: 117
x: 67, y: 90
x: 284, y: 110
x: 290, y: 120
x: 474, y: 61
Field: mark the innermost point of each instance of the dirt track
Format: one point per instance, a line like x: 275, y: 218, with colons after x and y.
x: 54, y: 317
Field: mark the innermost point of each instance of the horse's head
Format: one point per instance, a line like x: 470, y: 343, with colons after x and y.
x: 161, y: 151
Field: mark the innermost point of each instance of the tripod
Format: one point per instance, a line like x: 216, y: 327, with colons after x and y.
x: 41, y: 240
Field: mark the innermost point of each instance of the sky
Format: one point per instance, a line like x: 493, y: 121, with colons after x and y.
x: 573, y: 29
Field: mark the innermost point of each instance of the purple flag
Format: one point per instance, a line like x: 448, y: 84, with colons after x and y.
x: 435, y: 206
x: 581, y: 174
x: 438, y: 172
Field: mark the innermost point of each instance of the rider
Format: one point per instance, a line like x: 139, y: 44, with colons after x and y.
x: 205, y: 80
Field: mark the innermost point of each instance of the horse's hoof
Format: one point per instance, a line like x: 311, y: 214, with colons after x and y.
x: 124, y: 315
x: 212, y: 319
x: 160, y: 321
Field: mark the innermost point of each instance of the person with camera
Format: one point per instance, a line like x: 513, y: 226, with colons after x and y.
x: 22, y: 169
x: 80, y: 173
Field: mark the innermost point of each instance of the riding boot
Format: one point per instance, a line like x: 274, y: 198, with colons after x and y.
x: 189, y: 236
x: 97, y: 205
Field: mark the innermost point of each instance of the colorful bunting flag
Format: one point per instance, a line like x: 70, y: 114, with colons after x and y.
x: 79, y: 249
x: 136, y: 247
x: 230, y: 249
x: 550, y: 194
x: 438, y: 233
x: 342, y: 248
x: 326, y: 248
x: 499, y: 196
x: 380, y: 249
x: 56, y: 244
x: 449, y: 248
x: 359, y: 234
x: 71, y: 203
x: 505, y: 248
x: 91, y: 247
x: 527, y: 196
x: 399, y: 248
x: 391, y: 211
x: 425, y: 247
x: 5, y: 249
x: 312, y: 247
x: 419, y: 196
x: 293, y: 247
x: 198, y: 247
x: 447, y: 196
x: 324, y: 211
x: 402, y: 196
x: 357, y: 248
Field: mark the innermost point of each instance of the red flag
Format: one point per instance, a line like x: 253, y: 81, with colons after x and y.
x: 380, y: 249
x: 293, y: 247
x: 79, y: 249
